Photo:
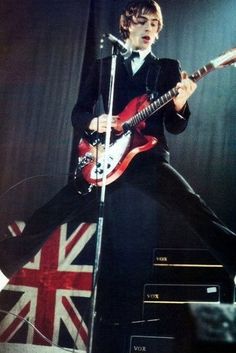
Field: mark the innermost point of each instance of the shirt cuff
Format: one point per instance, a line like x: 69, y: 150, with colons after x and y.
x: 181, y: 112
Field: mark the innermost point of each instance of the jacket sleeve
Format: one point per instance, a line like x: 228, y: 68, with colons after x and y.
x: 83, y: 111
x: 175, y: 123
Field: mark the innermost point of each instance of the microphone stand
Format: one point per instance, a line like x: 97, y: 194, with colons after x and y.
x: 100, y: 222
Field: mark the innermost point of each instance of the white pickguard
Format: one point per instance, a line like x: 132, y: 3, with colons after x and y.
x: 116, y: 152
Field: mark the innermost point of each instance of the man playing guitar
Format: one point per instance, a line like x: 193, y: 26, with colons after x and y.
x: 140, y: 74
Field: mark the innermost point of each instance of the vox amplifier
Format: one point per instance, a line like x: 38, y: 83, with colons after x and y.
x: 164, y: 301
x: 151, y: 344
x: 184, y: 258
x: 181, y: 293
x: 192, y: 266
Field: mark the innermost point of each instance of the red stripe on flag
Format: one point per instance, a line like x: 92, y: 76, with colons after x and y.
x: 17, y: 322
x: 76, y: 238
x: 78, y: 323
x: 15, y: 229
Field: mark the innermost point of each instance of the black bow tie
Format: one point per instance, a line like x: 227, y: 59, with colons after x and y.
x: 134, y: 54
x: 127, y: 62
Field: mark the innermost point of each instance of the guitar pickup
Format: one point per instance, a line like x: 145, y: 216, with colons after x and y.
x: 99, y: 171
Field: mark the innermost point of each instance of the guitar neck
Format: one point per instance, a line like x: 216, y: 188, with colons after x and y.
x: 164, y: 99
x: 197, y: 75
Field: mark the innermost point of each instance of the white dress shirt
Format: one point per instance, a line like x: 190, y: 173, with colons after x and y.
x: 138, y: 61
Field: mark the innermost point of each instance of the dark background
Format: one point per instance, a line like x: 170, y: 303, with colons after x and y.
x: 44, y: 47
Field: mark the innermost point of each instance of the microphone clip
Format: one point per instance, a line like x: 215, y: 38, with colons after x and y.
x: 118, y: 44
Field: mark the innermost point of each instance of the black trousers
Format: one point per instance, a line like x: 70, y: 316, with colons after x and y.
x: 158, y: 179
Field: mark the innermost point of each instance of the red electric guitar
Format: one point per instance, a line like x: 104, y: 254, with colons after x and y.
x: 127, y: 140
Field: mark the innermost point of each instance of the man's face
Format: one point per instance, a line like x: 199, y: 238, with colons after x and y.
x: 143, y: 31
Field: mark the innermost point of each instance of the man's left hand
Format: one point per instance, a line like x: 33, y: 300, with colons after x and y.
x: 185, y: 88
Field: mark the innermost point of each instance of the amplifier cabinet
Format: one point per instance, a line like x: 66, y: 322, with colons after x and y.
x: 151, y: 344
x: 192, y: 266
x: 184, y: 257
x: 186, y: 266
x: 163, y: 302
x: 181, y: 293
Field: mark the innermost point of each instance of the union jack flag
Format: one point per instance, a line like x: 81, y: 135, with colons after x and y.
x: 52, y: 291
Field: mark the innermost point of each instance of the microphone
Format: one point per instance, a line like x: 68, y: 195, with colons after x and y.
x: 120, y: 45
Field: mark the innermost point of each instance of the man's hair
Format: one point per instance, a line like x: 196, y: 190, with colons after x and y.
x: 136, y: 8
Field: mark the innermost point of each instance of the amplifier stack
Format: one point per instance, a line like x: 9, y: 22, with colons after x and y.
x: 180, y: 278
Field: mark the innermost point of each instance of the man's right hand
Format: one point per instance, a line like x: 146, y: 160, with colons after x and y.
x: 100, y: 123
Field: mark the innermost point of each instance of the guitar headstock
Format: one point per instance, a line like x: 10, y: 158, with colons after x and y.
x: 226, y: 59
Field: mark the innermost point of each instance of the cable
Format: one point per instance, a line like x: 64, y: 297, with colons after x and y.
x: 39, y: 332
x: 30, y: 178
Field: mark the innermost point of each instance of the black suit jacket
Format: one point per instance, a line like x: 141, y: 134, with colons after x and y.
x: 155, y: 76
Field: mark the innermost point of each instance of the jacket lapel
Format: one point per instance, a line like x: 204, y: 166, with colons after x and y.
x: 148, y: 74
x: 149, y: 60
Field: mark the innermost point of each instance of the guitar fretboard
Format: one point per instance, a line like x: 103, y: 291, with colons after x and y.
x: 164, y: 99
x: 197, y: 75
